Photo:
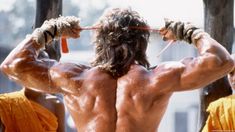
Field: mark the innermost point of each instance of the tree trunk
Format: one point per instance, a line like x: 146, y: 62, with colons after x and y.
x: 46, y: 9
x: 218, y: 23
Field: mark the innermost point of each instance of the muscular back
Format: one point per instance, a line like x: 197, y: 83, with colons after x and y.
x: 93, y: 107
x: 139, y: 108
x: 104, y: 103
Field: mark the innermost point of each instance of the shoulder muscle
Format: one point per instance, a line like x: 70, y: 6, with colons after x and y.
x: 67, y: 75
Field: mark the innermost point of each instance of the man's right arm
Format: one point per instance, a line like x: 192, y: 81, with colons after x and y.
x: 23, y: 65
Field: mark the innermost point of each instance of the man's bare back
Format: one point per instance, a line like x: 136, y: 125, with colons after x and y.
x: 124, y: 104
x: 119, y: 92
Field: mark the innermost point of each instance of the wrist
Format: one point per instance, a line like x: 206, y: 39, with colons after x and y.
x: 185, y: 31
x: 198, y: 34
x: 38, y: 37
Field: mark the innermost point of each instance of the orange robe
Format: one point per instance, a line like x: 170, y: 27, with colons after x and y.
x: 221, y: 115
x: 18, y: 114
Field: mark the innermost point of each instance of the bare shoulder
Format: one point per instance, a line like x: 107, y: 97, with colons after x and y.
x: 67, y: 76
x: 136, y: 73
x: 161, y: 71
x: 96, y: 74
x: 167, y: 75
x: 168, y: 68
x: 68, y: 68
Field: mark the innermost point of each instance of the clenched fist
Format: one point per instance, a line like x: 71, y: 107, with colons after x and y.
x: 67, y: 27
x: 180, y: 31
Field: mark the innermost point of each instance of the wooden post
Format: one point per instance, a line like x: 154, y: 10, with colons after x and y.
x: 46, y: 9
x: 218, y: 23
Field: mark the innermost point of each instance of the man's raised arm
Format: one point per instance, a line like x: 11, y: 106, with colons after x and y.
x: 23, y: 65
x: 212, y: 63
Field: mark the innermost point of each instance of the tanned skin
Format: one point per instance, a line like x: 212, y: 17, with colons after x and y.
x: 134, y: 102
x: 50, y: 102
x: 231, y: 79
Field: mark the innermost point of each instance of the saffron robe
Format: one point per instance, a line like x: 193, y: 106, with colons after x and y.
x: 221, y: 115
x: 18, y: 114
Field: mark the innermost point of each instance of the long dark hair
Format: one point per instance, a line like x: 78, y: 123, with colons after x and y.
x: 117, y: 46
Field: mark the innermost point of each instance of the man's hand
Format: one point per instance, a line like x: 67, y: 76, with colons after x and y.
x: 66, y: 27
x: 181, y: 31
x: 167, y: 34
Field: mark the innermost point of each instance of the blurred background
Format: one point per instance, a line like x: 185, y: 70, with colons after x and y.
x: 17, y: 20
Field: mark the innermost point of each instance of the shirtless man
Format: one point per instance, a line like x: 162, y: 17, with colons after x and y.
x: 118, y: 92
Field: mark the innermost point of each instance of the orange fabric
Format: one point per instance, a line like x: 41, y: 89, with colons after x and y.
x: 221, y: 115
x: 64, y: 45
x: 18, y: 114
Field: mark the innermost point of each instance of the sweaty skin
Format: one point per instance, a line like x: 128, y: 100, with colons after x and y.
x: 51, y: 102
x: 134, y: 102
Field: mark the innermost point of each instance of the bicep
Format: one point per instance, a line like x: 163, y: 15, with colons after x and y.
x: 68, y: 76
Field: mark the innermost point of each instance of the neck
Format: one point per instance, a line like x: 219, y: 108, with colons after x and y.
x: 29, y: 93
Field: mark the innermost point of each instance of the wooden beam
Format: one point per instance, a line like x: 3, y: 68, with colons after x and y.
x: 218, y: 22
x: 46, y: 9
